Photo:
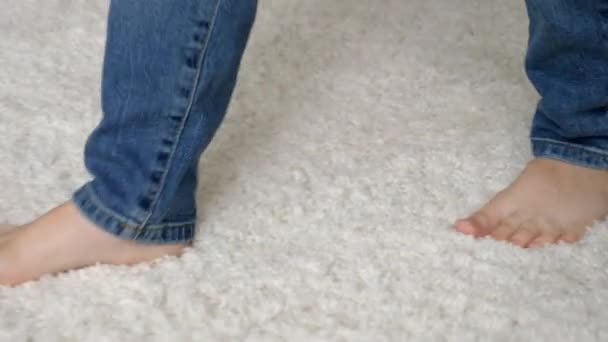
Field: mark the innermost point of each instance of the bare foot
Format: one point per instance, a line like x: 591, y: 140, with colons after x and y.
x: 62, y: 240
x: 550, y: 201
x: 6, y: 230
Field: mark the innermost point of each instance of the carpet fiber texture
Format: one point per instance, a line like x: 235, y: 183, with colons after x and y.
x: 358, y: 132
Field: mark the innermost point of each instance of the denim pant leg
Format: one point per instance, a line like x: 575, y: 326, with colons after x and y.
x: 567, y: 62
x: 169, y: 71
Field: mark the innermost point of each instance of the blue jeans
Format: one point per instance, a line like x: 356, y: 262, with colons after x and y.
x: 567, y: 61
x: 170, y: 69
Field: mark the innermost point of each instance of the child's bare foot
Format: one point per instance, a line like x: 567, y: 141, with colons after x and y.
x: 62, y: 240
x: 550, y: 201
x: 5, y: 228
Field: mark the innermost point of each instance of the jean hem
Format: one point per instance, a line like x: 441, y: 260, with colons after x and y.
x: 590, y: 157
x: 121, y: 227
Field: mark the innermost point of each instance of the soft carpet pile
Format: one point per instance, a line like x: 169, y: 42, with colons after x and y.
x: 358, y: 132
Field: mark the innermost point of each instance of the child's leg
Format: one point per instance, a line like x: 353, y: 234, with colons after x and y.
x: 169, y: 71
x: 565, y: 189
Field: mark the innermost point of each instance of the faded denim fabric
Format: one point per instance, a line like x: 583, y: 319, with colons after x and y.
x: 169, y: 72
x: 567, y: 61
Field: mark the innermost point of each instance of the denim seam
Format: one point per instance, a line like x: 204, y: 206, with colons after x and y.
x: 167, y: 235
x: 195, y: 86
x: 97, y: 202
x: 581, y: 147
x: 100, y: 206
x: 119, y: 138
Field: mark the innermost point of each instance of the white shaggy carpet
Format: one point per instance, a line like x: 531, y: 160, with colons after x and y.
x: 358, y: 132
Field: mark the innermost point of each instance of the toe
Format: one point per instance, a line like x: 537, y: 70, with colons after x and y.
x: 545, y: 238
x: 570, y: 237
x: 524, y: 235
x: 467, y: 226
x: 503, y: 231
x: 478, y: 224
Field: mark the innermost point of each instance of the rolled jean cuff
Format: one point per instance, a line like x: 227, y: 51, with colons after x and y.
x: 586, y: 156
x: 118, y: 225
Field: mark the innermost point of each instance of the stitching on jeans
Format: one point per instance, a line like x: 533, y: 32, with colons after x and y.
x: 93, y: 198
x: 195, y: 86
x: 99, y: 206
x: 580, y: 147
